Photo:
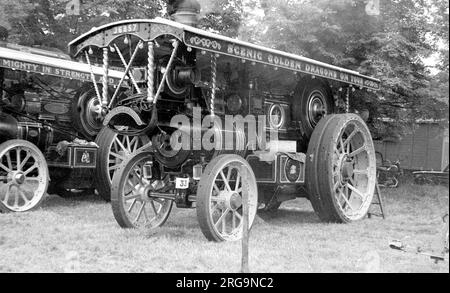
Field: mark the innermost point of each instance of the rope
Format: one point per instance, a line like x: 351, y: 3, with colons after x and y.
x: 126, y: 65
x: 125, y: 73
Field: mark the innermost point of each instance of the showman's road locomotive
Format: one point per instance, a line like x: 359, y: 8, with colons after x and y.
x: 322, y: 152
x: 49, y: 113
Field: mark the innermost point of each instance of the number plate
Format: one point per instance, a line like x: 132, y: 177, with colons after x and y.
x: 124, y: 29
x: 182, y: 183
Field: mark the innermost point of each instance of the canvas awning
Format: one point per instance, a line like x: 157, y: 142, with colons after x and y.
x: 33, y: 63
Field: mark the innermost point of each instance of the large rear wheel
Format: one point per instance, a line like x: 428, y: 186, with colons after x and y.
x: 113, y: 150
x: 341, y: 169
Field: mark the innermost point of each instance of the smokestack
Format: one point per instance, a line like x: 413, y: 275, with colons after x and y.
x: 8, y: 126
x: 185, y: 11
x: 3, y: 33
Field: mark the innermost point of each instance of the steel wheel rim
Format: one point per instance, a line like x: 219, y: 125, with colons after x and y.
x: 141, y: 210
x: 121, y: 148
x: 225, y: 201
x: 317, y: 107
x: 23, y: 184
x: 354, y: 171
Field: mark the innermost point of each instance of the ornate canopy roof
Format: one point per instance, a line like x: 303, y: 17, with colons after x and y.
x: 149, y: 30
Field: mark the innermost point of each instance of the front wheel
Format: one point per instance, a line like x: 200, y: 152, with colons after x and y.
x: 341, y: 169
x: 132, y: 186
x: 24, y: 176
x: 220, y: 198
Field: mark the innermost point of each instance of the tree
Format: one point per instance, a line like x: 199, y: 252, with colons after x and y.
x: 224, y: 17
x: 45, y: 22
x: 439, y: 83
x: 390, y: 46
x: 441, y: 31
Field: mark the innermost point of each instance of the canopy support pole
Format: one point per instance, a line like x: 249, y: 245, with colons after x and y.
x: 2, y: 80
x: 213, y: 82
x: 105, y: 77
x: 347, y: 100
x: 97, y: 92
x: 151, y: 72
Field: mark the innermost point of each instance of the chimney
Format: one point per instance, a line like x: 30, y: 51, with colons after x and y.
x: 185, y: 11
x: 3, y: 33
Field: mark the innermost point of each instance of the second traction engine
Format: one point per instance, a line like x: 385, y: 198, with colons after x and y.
x: 31, y: 102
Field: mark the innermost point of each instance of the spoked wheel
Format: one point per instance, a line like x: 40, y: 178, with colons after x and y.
x: 341, y: 169
x: 24, y: 176
x: 132, y: 203
x: 220, y: 198
x: 113, y: 149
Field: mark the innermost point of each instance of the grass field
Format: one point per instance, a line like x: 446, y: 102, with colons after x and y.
x: 81, y: 235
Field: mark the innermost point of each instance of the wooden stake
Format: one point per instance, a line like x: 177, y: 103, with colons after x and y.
x: 245, y: 225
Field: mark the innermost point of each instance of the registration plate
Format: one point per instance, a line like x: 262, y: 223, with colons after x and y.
x: 182, y: 183
x: 126, y: 29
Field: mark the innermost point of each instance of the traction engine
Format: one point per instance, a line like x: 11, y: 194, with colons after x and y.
x: 218, y: 119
